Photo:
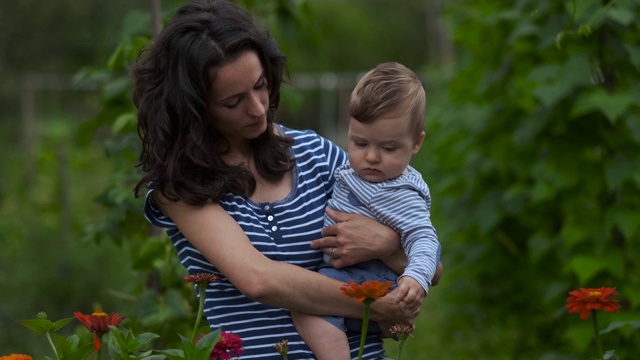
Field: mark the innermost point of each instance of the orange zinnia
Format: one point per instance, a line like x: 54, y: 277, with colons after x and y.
x: 369, y: 290
x: 586, y: 300
x: 16, y: 357
x: 98, y: 324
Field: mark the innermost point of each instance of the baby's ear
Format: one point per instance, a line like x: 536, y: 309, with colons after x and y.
x: 418, y: 143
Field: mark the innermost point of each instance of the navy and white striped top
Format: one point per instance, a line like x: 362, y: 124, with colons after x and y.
x: 404, y: 205
x: 282, y: 231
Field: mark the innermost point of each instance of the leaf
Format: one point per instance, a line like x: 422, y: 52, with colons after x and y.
x: 634, y: 55
x: 173, y: 353
x: 80, y: 353
x: 573, y: 234
x: 623, y: 17
x: 618, y: 170
x: 615, y: 325
x: 544, y: 73
x: 576, y: 71
x: 633, y: 294
x: 550, y: 94
x: 61, y: 323
x: 633, y: 122
x: 539, y: 245
x: 124, y: 122
x: 610, y: 105
x: 38, y: 326
x: 117, y: 59
x: 585, y: 267
x: 146, y: 338
x: 627, y: 220
x: 151, y: 250
x: 524, y: 28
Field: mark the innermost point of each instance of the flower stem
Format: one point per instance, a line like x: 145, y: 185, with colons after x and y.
x: 400, y: 345
x: 203, y: 289
x: 53, y: 346
x: 594, y: 315
x: 365, y: 326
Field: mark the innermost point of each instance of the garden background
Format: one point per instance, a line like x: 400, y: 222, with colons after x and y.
x: 532, y: 156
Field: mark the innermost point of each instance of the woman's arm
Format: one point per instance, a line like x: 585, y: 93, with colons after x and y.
x: 222, y: 241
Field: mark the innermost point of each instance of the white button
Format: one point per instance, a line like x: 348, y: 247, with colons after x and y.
x: 274, y: 228
x: 270, y: 217
x: 266, y: 207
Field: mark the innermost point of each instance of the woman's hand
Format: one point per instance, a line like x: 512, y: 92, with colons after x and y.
x: 356, y: 238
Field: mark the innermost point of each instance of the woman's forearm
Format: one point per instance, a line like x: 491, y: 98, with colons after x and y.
x: 301, y: 290
x: 297, y: 289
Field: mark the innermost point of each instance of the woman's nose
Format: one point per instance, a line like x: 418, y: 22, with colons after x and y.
x: 256, y: 107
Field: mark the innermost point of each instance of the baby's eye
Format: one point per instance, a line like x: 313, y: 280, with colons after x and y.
x: 389, y: 148
x: 359, y: 144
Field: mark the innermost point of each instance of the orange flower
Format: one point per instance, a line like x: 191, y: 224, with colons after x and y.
x: 369, y: 290
x: 98, y: 324
x: 586, y: 300
x: 202, y: 278
x: 16, y: 357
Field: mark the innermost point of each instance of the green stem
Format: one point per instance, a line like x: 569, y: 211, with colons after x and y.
x: 100, y: 353
x: 53, y: 346
x: 365, y: 326
x: 203, y: 290
x: 400, y: 345
x: 600, y: 12
x: 597, y: 333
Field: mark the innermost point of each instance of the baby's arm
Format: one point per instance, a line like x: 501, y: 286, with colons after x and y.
x: 410, y: 292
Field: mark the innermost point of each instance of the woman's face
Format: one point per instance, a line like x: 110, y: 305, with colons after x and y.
x: 239, y: 99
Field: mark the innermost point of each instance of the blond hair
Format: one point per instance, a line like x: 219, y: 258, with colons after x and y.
x: 389, y: 87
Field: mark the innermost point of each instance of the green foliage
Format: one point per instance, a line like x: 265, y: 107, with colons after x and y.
x: 123, y: 344
x: 533, y: 158
x: 533, y: 162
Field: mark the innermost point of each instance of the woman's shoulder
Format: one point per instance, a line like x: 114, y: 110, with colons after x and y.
x: 296, y: 133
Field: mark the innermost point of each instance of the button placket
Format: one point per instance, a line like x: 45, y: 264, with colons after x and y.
x: 270, y: 218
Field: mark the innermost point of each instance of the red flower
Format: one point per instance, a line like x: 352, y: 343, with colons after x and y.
x: 98, y: 324
x: 201, y: 279
x: 227, y: 345
x: 16, y: 357
x: 586, y: 300
x: 369, y: 290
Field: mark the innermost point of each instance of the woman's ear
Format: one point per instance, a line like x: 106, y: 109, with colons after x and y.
x: 418, y: 143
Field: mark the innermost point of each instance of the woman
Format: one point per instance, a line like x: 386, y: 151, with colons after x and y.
x: 241, y: 196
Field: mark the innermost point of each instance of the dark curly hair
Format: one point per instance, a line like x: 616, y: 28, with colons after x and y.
x: 181, y: 152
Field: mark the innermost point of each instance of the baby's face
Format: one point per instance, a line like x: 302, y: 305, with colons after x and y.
x: 382, y: 149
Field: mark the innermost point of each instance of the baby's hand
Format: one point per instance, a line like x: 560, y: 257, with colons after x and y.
x: 410, y: 292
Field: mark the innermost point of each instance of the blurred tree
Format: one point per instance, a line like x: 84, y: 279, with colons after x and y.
x: 534, y: 162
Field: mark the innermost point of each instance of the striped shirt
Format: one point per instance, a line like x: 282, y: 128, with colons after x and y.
x: 281, y: 231
x: 404, y: 205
